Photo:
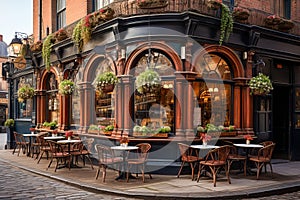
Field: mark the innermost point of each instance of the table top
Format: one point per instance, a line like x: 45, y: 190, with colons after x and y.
x: 54, y: 137
x: 204, y: 146
x: 249, y: 145
x: 68, y: 141
x: 123, y: 148
x: 30, y: 135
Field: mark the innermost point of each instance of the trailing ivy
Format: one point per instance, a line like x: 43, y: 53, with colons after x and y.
x: 226, y: 23
x: 46, y: 50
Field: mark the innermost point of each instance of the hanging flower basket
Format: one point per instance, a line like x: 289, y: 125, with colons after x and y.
x: 36, y: 47
x: 60, y: 35
x: 148, y: 82
x: 151, y: 4
x: 105, y: 82
x: 260, y: 85
x: 25, y: 92
x: 66, y: 87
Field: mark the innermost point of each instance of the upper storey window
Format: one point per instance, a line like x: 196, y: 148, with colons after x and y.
x: 101, y: 3
x: 61, y: 13
x: 283, y: 8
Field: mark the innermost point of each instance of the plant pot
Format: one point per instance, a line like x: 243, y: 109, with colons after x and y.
x: 204, y: 143
x: 69, y: 138
x: 247, y: 141
x: 108, y: 88
x: 241, y: 16
x: 151, y: 4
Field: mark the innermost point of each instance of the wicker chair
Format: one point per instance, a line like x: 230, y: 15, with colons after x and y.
x: 215, y: 161
x: 139, y: 160
x: 187, y: 156
x: 58, y: 153
x: 263, y: 158
x: 106, y: 158
x: 21, y: 143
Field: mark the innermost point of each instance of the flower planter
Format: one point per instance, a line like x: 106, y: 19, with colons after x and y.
x: 151, y: 4
x: 148, y: 135
x: 95, y: 132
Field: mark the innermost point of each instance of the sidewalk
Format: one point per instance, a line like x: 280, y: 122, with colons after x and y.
x: 286, y: 177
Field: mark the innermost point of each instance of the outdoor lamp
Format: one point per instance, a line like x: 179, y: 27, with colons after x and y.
x: 16, y: 43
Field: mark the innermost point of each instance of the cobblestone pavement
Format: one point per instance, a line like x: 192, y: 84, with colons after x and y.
x: 16, y: 183
x: 287, y: 196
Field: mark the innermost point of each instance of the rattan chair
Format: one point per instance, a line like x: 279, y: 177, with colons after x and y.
x: 106, y: 158
x: 139, y: 160
x: 188, y: 156
x: 21, y: 143
x: 58, y: 153
x: 216, y: 160
x: 263, y: 158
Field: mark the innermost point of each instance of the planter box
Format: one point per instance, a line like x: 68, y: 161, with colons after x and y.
x: 156, y: 135
x: 95, y: 132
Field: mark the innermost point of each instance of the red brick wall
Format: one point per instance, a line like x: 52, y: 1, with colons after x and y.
x: 76, y: 9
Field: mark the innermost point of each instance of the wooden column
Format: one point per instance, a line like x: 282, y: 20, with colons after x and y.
x: 118, y: 110
x: 179, y: 106
x: 127, y: 103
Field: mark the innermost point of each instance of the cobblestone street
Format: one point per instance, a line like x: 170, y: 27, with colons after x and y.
x: 16, y: 183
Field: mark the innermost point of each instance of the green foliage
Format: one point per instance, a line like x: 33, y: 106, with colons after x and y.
x: 46, y: 50
x: 226, y: 23
x: 260, y: 84
x: 52, y: 124
x: 109, y: 128
x: 9, y: 123
x: 106, y: 78
x: 66, y: 87
x: 147, y: 81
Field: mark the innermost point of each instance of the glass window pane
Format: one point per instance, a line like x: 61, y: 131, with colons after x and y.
x: 297, y: 99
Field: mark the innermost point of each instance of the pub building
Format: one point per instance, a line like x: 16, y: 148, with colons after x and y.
x: 202, y: 82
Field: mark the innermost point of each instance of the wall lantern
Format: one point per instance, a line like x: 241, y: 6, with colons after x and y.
x: 16, y: 43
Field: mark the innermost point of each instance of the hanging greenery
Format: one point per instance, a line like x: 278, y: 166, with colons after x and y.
x: 46, y: 50
x: 226, y: 23
x: 82, y: 31
x: 226, y: 26
x: 260, y: 85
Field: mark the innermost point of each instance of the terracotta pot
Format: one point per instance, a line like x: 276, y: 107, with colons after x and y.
x: 108, y: 88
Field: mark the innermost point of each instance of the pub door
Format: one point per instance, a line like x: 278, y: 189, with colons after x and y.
x: 281, y: 129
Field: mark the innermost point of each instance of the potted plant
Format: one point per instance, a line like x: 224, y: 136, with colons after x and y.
x: 148, y: 81
x: 106, y: 82
x: 50, y: 125
x: 60, y: 35
x: 260, y: 85
x: 94, y: 129
x: 151, y: 4
x: 226, y: 26
x: 106, y: 13
x: 36, y: 47
x: 66, y: 87
x: 248, y: 138
x: 108, y: 129
x: 240, y: 14
x: 9, y: 123
x: 205, y: 138
x: 25, y: 92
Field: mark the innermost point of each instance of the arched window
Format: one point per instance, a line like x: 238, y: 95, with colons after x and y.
x: 155, y: 109
x: 52, y: 98
x: 213, y: 89
x: 104, y: 101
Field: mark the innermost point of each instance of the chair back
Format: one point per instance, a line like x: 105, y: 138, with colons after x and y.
x: 55, y: 148
x: 143, y: 151
x: 184, y: 151
x: 219, y: 154
x: 266, y: 143
x: 267, y: 151
x: 105, y: 154
x: 88, y: 144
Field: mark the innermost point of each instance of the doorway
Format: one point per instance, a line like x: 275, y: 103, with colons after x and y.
x: 281, y: 121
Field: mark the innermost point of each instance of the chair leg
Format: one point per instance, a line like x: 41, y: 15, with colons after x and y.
x: 50, y: 163
x: 40, y: 156
x: 104, y: 174
x: 192, y: 168
x: 271, y: 169
x: 180, y: 169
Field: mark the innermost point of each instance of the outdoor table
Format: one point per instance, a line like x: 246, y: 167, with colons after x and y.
x: 69, y: 142
x: 54, y: 137
x: 204, y: 147
x: 247, y: 147
x: 123, y: 149
x: 30, y: 136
